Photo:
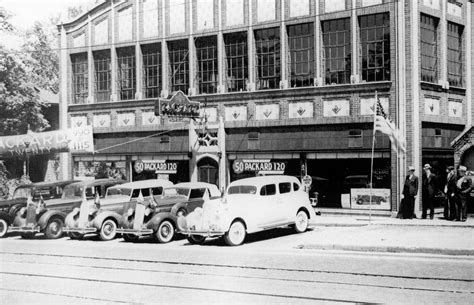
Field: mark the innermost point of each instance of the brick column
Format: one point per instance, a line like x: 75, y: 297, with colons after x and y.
x: 90, y: 63
x: 354, y: 46
x: 113, y: 57
x: 138, y: 54
x: 64, y: 94
x: 469, y: 53
x: 443, y: 31
x: 283, y: 47
x: 317, y: 42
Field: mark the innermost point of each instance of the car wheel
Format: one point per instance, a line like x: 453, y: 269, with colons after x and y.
x: 181, y: 212
x: 130, y: 237
x: 75, y: 235
x: 3, y: 227
x: 108, y: 230
x: 196, y: 239
x: 28, y: 235
x: 301, y: 222
x: 236, y: 234
x: 54, y: 229
x: 165, y: 232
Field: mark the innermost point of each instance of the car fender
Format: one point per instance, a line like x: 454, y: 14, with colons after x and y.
x: 43, y: 220
x: 178, y: 206
x: 103, y: 215
x: 69, y: 220
x: 15, y: 208
x: 7, y: 217
x: 155, y: 221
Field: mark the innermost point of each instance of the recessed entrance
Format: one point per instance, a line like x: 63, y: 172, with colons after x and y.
x: 208, y: 171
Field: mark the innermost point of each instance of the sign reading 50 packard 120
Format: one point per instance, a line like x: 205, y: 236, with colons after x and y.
x: 75, y: 140
x: 259, y: 166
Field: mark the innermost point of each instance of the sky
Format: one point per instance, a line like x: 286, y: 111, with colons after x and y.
x: 26, y: 12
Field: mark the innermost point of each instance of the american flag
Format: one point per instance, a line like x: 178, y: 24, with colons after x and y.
x: 383, y: 124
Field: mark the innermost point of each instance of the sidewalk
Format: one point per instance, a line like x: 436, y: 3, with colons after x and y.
x: 383, y: 234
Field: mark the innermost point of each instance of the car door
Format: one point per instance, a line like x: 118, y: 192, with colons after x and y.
x: 196, y: 198
x: 264, y: 213
x: 284, y: 202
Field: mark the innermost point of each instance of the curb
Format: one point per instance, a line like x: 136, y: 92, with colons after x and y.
x: 388, y: 249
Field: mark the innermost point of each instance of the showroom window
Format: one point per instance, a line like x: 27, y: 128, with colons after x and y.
x: 151, y: 55
x: 301, y: 54
x: 80, y: 78
x: 337, y: 51
x: 267, y: 43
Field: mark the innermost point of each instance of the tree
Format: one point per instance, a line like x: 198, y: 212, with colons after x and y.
x: 5, y: 25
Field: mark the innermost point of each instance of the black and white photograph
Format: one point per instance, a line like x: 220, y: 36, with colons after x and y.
x: 236, y: 152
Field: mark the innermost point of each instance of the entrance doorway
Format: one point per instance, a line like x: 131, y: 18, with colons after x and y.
x: 208, y: 171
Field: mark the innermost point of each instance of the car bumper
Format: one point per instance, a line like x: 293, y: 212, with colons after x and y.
x: 203, y: 233
x: 141, y: 232
x: 35, y: 229
x: 79, y: 230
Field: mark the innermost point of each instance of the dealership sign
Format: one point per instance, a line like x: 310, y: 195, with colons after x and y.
x: 178, y: 106
x: 74, y: 140
x: 259, y: 166
x: 157, y: 166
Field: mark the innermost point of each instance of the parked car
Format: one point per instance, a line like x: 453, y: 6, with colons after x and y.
x: 103, y: 216
x: 9, y: 208
x: 48, y: 217
x: 250, y: 205
x: 158, y: 218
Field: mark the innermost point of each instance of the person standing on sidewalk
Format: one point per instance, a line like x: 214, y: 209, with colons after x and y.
x: 464, y: 188
x: 450, y: 191
x: 410, y: 190
x: 429, y: 191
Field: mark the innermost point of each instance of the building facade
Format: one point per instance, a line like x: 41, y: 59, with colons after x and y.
x: 286, y: 86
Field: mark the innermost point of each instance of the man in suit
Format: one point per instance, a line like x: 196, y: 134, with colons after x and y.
x: 450, y: 191
x: 463, y: 191
x: 410, y: 190
x: 429, y: 191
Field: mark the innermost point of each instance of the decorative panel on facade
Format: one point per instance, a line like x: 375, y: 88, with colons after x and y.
x: 125, y: 24
x: 371, y: 2
x: 367, y: 105
x: 210, y: 113
x: 267, y: 112
x: 334, y: 5
x: 431, y: 106
x: 299, y: 8
x: 266, y: 10
x: 150, y: 18
x: 101, y: 120
x: 125, y: 119
x: 236, y: 113
x: 455, y: 9
x: 336, y: 108
x: 78, y: 121
x: 234, y: 12
x: 298, y: 110
x: 149, y: 118
x: 455, y: 109
x: 432, y: 3
x: 79, y: 41
x: 177, y: 9
x: 101, y: 32
x: 205, y: 14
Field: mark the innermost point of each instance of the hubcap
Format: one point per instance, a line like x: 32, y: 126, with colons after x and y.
x: 165, y: 231
x: 237, y: 233
x: 54, y: 227
x: 301, y: 220
x: 108, y: 228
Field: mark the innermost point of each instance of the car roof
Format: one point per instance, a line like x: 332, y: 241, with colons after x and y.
x: 47, y: 184
x: 263, y: 180
x: 95, y: 182
x: 212, y: 187
x: 145, y: 184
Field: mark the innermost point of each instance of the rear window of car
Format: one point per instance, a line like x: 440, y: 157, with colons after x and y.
x: 284, y: 187
x: 268, y: 190
x: 242, y: 189
x: 157, y: 190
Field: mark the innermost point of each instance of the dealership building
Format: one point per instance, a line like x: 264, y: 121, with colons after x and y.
x: 285, y: 87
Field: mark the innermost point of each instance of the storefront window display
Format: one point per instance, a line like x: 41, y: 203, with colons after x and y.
x: 100, y: 169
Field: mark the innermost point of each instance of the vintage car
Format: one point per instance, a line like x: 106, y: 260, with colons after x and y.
x: 103, y: 216
x: 9, y: 208
x: 250, y: 205
x: 158, y: 217
x: 48, y: 217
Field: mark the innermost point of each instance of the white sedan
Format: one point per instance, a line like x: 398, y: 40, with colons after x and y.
x: 251, y: 205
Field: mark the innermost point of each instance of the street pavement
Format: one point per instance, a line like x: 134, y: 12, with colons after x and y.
x: 342, y: 260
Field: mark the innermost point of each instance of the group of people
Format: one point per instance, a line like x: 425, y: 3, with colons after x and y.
x: 457, y: 192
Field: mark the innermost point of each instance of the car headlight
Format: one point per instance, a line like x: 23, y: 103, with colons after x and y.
x: 22, y: 212
x: 130, y: 212
x: 75, y: 211
x: 147, y: 211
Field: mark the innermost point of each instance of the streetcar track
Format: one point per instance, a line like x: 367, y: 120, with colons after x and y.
x: 65, y: 295
x: 252, y: 277
x: 247, y: 267
x: 296, y: 297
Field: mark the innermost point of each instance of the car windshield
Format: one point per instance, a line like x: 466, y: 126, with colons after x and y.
x: 242, y: 189
x: 176, y: 191
x: 118, y: 192
x: 73, y: 191
x: 22, y: 192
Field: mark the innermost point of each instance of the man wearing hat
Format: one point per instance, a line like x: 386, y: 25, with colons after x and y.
x: 463, y: 188
x: 429, y: 191
x: 450, y: 191
x: 410, y: 190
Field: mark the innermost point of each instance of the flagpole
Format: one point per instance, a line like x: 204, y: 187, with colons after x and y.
x: 372, y: 160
